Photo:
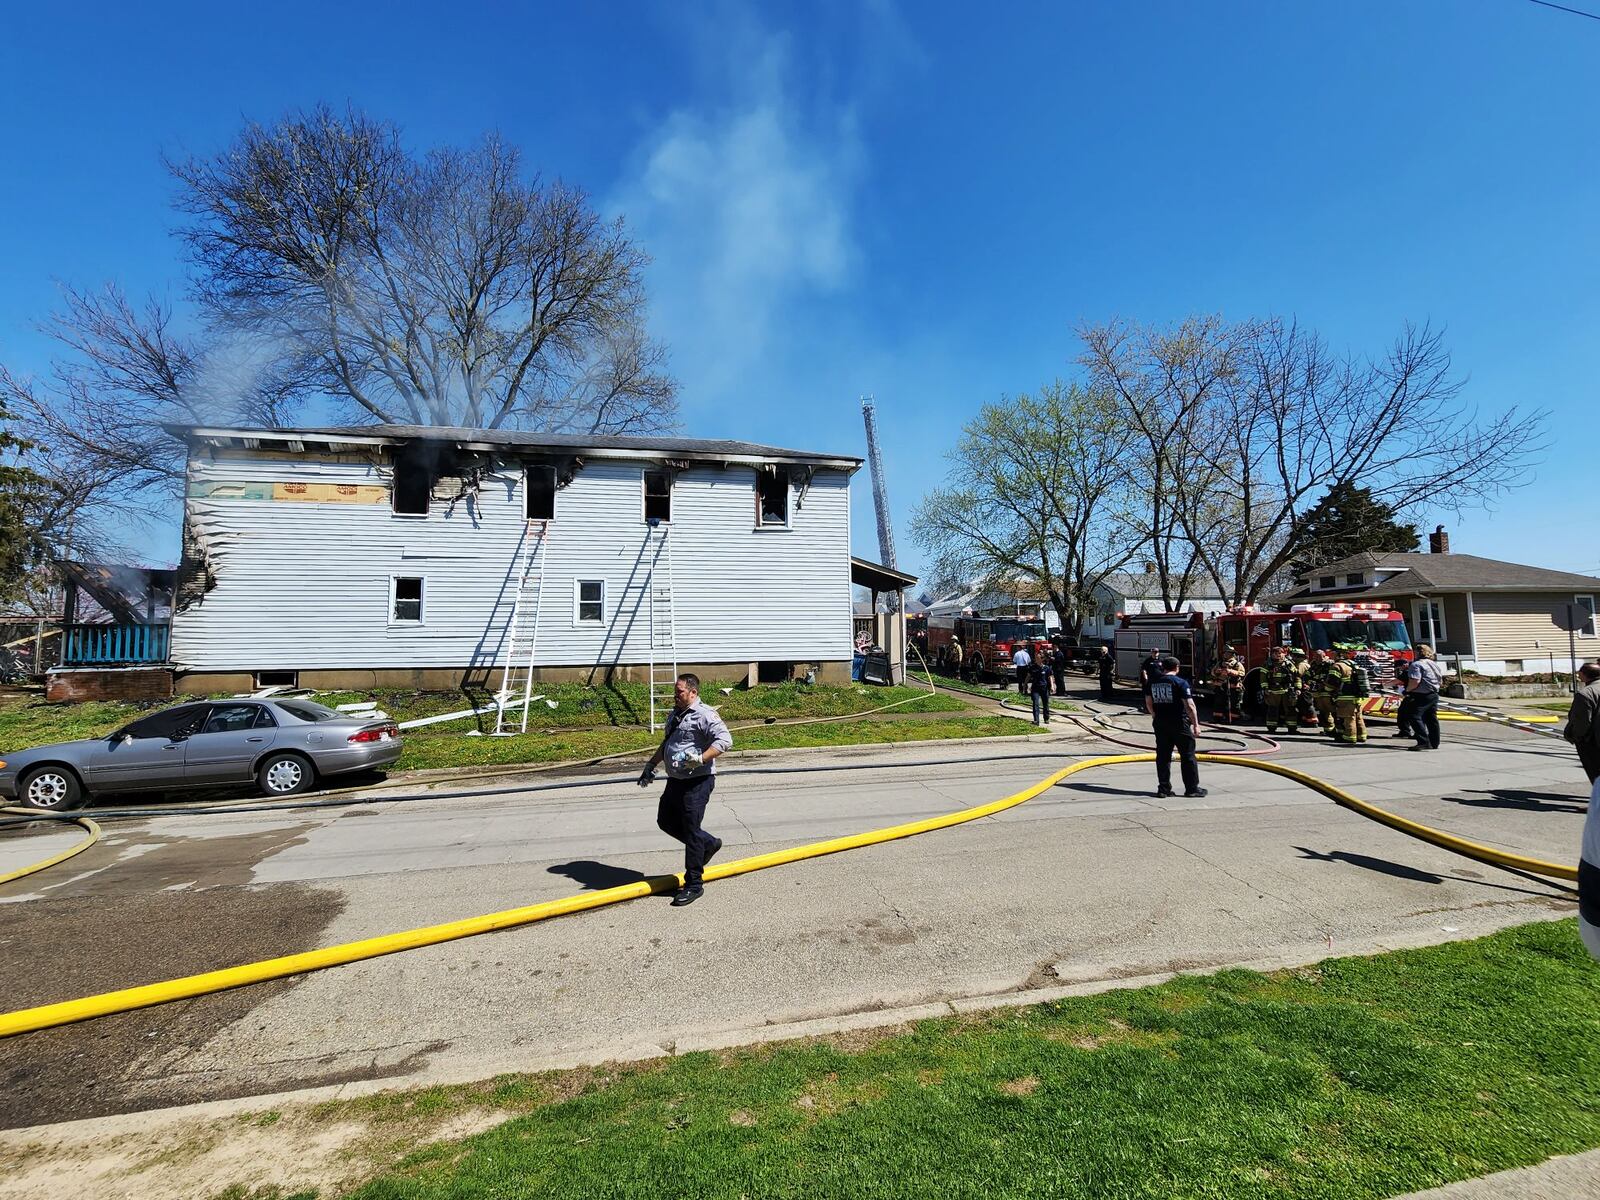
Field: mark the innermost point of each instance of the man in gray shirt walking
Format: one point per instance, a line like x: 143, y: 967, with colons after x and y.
x: 695, y: 736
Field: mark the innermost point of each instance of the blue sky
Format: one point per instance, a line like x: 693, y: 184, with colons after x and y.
x: 918, y: 201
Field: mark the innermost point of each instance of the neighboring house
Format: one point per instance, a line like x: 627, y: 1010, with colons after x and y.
x: 391, y: 555
x: 1140, y: 592
x: 1496, y: 617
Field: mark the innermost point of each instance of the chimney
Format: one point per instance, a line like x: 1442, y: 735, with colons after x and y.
x: 1439, y: 541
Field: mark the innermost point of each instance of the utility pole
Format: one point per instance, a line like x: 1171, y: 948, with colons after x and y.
x: 880, y: 494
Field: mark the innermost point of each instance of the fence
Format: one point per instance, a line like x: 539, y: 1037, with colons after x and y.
x: 114, y: 645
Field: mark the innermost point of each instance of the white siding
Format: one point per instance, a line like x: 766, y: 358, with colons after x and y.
x: 304, y: 586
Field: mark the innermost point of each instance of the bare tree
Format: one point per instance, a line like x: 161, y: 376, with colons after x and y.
x: 1039, y: 492
x: 441, y: 290
x: 1243, y: 424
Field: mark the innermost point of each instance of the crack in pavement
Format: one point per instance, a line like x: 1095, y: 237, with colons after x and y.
x: 1195, y: 854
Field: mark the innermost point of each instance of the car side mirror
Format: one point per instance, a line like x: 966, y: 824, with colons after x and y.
x: 123, y: 738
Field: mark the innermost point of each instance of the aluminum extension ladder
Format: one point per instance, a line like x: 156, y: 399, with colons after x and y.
x: 663, y: 632
x: 522, y: 635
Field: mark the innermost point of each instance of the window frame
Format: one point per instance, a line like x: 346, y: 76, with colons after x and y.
x: 788, y: 498
x: 1592, y: 628
x: 1324, y: 582
x: 1356, y: 579
x: 1438, y: 631
x: 220, y: 706
x: 578, y: 620
x: 644, y: 494
x: 422, y: 600
x: 527, y: 490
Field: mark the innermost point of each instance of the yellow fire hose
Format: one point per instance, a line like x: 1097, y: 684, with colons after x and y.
x: 23, y: 872
x: 126, y: 999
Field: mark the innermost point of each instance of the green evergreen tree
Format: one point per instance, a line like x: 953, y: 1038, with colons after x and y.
x: 19, y: 545
x: 1345, y: 521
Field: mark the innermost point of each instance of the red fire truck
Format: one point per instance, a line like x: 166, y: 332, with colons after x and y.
x: 987, y: 643
x: 1199, y: 642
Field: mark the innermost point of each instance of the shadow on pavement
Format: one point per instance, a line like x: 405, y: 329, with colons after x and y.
x: 1519, y: 798
x: 596, y: 876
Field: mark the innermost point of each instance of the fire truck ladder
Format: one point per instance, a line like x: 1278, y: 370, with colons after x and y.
x: 663, y: 632
x: 522, y: 635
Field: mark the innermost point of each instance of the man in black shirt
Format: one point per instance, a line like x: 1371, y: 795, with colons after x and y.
x: 1107, y: 666
x: 1170, y: 703
x: 1149, y: 671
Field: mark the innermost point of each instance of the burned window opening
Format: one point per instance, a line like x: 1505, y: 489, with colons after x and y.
x: 412, y: 487
x: 541, y: 489
x: 266, y: 679
x: 772, y: 496
x: 657, y: 495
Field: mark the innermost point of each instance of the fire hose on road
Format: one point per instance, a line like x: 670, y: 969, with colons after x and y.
x: 128, y: 999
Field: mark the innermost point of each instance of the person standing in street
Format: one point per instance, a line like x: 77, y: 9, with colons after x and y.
x: 1058, y: 668
x: 1281, y: 685
x: 1228, y: 680
x: 1108, y: 670
x: 1172, y: 713
x: 695, y: 736
x: 1583, y: 723
x: 1150, y: 671
x: 1326, y: 681
x: 1022, y: 660
x: 1354, y: 687
x: 955, y: 658
x: 1423, y: 680
x: 1039, y: 686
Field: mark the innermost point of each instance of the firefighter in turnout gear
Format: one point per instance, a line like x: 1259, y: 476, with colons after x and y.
x: 1228, y: 679
x: 1354, y: 687
x: 1326, y: 681
x: 1282, y: 684
x: 1302, y: 710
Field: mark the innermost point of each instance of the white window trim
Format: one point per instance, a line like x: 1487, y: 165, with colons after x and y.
x: 1437, y: 633
x: 577, y: 598
x: 1590, y: 627
x: 644, y: 494
x: 422, y: 607
x: 788, y: 521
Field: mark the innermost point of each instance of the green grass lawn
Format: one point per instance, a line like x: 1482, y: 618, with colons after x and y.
x: 587, y: 722
x: 1361, y: 1077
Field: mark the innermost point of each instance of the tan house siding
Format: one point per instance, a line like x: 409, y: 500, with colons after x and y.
x: 1509, y: 623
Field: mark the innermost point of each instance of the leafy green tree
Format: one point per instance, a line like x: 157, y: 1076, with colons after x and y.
x: 1348, y: 520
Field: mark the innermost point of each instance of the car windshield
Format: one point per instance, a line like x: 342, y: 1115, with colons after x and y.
x: 1381, y: 635
x: 306, y: 710
x: 1010, y: 631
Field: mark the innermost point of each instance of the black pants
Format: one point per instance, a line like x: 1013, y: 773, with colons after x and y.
x: 1022, y: 681
x: 1105, y: 687
x: 1425, y: 718
x: 1059, y: 671
x: 682, y: 808
x: 1404, y: 718
x: 1168, y: 740
x: 1589, y: 756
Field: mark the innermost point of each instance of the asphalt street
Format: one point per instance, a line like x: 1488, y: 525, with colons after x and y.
x: 1096, y: 880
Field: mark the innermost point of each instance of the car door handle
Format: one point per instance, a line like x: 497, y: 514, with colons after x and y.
x: 173, y: 746
x: 259, y: 739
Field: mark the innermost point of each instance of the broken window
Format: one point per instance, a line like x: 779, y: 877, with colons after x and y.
x: 541, y: 481
x: 657, y: 495
x: 266, y: 679
x: 591, y: 602
x: 407, y: 600
x: 413, y: 483
x: 772, y: 496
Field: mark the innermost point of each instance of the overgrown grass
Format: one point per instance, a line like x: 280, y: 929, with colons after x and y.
x: 1362, y: 1077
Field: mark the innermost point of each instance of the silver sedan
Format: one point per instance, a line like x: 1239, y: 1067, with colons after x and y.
x: 283, y: 745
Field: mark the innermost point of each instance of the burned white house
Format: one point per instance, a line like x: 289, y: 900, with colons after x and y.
x: 419, y: 556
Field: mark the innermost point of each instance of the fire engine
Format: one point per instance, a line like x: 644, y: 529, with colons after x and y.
x: 987, y: 643
x: 1199, y: 642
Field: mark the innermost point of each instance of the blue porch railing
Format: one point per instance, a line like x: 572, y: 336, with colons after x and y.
x: 113, y: 645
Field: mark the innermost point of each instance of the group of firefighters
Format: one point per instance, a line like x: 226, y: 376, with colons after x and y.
x: 1328, y: 688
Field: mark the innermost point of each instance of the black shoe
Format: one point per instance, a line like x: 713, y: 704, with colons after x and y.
x: 712, y: 853
x: 1196, y: 793
x: 687, y: 895
x: 1165, y: 791
x: 1420, y: 746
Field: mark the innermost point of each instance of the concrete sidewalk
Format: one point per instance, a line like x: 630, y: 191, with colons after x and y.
x: 1571, y: 1177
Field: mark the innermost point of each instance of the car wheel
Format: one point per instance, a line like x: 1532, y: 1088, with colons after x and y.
x: 285, y: 774
x: 50, y: 789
